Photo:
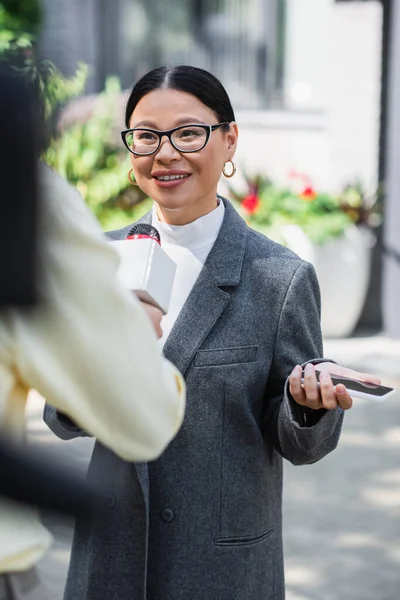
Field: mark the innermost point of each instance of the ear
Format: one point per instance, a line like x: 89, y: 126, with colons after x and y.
x: 232, y: 138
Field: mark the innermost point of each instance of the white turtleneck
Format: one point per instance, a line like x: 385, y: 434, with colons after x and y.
x: 188, y: 246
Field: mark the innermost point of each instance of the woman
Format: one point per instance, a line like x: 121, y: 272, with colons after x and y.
x: 204, y: 521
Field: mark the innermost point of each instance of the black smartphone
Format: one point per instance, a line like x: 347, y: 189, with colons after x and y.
x: 361, y: 389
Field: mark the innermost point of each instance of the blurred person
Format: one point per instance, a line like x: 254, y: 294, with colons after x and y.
x: 87, y: 344
x: 30, y: 476
x: 204, y: 520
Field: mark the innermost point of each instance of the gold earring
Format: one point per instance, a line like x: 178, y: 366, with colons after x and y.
x: 229, y: 175
x: 132, y: 181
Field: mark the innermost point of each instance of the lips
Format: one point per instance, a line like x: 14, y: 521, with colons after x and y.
x: 170, y: 179
x: 172, y: 175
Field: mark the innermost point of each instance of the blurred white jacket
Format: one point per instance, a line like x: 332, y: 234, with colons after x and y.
x: 89, y: 349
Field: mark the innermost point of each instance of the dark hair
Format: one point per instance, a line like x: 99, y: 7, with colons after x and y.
x: 18, y: 152
x: 26, y: 71
x: 207, y: 88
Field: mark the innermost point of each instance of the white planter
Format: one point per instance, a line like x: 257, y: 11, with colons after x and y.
x: 343, y: 270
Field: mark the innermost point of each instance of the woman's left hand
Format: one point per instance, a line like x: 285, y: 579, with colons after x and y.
x: 326, y: 395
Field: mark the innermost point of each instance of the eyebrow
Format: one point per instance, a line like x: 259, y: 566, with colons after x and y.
x: 182, y: 121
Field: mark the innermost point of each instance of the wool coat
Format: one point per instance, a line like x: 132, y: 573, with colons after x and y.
x: 203, y: 522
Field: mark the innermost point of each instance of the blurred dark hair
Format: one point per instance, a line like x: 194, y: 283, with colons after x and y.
x: 19, y: 151
x: 192, y: 80
x: 26, y: 79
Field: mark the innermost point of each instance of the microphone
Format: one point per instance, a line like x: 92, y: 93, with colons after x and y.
x: 145, y: 268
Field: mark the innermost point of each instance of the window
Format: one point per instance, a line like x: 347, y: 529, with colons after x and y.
x: 239, y: 41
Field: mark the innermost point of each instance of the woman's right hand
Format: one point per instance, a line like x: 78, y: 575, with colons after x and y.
x: 325, y: 395
x: 155, y: 315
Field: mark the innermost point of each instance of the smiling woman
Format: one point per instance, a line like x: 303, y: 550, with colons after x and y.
x: 180, y: 142
x: 204, y: 520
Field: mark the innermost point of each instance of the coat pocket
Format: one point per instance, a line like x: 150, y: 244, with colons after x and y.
x: 225, y: 356
x: 247, y: 540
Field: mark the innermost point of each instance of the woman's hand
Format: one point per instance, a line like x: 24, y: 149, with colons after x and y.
x: 326, y: 395
x: 155, y: 315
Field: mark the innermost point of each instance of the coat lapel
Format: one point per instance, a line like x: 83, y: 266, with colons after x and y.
x: 207, y: 300
x: 199, y: 314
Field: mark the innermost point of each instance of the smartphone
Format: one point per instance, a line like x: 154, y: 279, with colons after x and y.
x: 362, y: 389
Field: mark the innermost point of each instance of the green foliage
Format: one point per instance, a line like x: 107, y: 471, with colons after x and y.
x: 322, y: 216
x: 85, y: 153
x: 54, y: 88
x: 20, y: 15
x: 19, y: 23
x: 91, y: 159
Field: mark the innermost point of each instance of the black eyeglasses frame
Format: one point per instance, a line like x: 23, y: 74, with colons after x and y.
x: 168, y: 133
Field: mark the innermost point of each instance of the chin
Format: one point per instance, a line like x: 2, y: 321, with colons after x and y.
x: 170, y: 199
x: 171, y: 203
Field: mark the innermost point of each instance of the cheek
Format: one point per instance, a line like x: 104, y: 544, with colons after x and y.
x: 211, y: 165
x: 141, y: 166
x: 142, y: 170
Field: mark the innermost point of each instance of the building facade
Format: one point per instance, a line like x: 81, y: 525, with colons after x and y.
x: 391, y: 237
x: 304, y: 75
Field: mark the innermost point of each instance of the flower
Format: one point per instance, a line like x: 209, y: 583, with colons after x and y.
x: 323, y: 216
x: 308, y: 194
x: 250, y: 204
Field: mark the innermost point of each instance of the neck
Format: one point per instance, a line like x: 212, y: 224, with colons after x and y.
x: 187, y: 214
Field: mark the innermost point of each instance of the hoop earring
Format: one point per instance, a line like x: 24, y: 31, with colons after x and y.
x: 131, y: 181
x: 229, y: 175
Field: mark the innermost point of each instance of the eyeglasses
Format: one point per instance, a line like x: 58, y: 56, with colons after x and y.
x: 187, y: 138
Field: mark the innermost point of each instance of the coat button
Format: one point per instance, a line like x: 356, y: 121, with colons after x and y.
x: 167, y: 515
x: 111, y: 500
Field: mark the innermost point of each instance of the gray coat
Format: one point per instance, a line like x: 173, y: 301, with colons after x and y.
x: 204, y: 521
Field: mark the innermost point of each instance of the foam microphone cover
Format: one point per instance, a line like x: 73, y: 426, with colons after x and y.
x: 144, y: 229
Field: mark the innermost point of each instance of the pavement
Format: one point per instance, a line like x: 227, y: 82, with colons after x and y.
x: 341, y: 516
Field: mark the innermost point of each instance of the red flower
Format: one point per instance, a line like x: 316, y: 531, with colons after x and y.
x: 308, y: 194
x: 251, y: 204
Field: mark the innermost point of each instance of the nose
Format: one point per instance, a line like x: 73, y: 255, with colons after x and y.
x: 166, y: 152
